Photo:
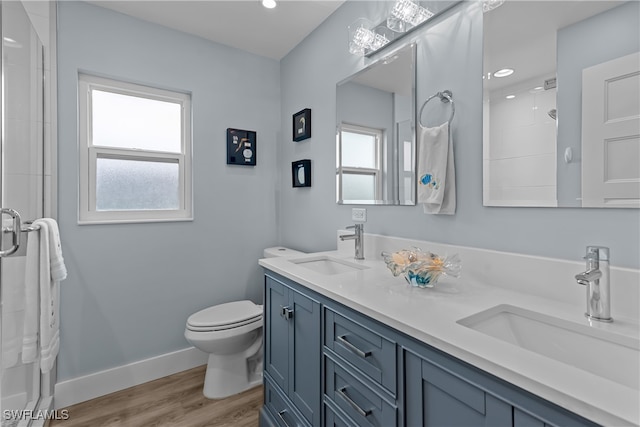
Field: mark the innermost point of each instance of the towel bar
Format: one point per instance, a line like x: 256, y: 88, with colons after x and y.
x: 445, y: 96
x: 16, y: 230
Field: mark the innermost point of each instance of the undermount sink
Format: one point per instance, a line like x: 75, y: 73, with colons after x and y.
x: 601, y: 353
x: 328, y: 265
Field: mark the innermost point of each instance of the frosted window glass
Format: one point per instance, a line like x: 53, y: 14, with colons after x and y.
x: 407, y: 163
x: 133, y: 122
x: 358, y: 150
x: 136, y: 185
x: 358, y: 187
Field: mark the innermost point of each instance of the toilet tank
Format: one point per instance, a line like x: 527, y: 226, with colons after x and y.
x: 278, y: 251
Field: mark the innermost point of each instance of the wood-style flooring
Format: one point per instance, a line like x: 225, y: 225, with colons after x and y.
x: 175, y: 401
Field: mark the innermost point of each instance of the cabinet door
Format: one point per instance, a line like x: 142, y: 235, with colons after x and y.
x: 293, y: 346
x: 304, y: 372
x: 276, y: 336
x: 436, y: 397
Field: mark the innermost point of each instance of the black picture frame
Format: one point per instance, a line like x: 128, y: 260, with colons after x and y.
x: 241, y: 147
x: 302, y: 125
x: 301, y: 173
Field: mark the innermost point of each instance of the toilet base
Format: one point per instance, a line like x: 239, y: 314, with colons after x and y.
x: 228, y: 375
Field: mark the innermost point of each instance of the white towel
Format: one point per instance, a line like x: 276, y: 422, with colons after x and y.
x: 436, y: 170
x: 13, y: 295
x: 44, y: 270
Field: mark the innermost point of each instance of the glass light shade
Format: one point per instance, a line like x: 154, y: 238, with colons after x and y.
x: 421, y: 15
x: 383, y: 35
x: 396, y: 24
x: 361, y: 36
x: 410, y: 12
x: 404, y: 10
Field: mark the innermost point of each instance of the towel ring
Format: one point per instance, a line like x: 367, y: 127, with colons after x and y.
x: 445, y: 96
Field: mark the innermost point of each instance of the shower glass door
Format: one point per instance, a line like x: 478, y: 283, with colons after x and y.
x: 21, y: 189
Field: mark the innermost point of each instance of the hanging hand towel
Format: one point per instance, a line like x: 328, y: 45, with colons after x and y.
x: 44, y: 272
x: 436, y: 170
x: 32, y: 285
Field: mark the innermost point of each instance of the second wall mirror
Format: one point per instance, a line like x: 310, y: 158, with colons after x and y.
x: 375, y: 132
x: 539, y: 148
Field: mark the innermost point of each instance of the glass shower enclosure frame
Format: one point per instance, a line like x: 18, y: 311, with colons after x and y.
x: 25, y: 396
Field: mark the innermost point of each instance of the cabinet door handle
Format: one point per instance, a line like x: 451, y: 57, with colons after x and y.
x: 281, y: 415
x: 352, y: 348
x: 354, y: 405
x: 286, y: 312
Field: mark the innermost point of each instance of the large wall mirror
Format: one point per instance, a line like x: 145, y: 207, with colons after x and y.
x: 375, y: 132
x: 562, y: 128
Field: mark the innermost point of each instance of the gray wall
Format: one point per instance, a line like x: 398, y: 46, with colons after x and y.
x: 587, y: 43
x: 131, y: 287
x: 449, y: 57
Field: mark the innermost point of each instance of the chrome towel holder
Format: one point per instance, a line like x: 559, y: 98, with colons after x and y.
x: 16, y: 230
x: 445, y: 96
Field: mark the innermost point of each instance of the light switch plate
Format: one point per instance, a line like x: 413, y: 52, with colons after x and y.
x: 359, y: 214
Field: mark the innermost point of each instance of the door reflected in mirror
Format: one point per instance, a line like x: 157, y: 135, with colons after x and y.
x: 534, y: 139
x: 375, y: 133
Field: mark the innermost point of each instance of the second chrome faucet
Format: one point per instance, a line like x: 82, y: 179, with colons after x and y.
x: 358, y: 237
x: 596, y: 279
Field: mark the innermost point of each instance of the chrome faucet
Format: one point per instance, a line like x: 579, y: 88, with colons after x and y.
x: 596, y: 279
x: 358, y: 237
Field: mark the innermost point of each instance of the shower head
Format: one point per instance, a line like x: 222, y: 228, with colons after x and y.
x: 552, y: 113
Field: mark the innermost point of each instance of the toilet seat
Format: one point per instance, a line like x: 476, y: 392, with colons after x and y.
x: 225, y: 316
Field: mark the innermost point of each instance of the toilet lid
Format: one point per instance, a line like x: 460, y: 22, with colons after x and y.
x: 225, y: 315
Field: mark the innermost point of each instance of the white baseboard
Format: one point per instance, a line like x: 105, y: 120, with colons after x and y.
x: 98, y: 384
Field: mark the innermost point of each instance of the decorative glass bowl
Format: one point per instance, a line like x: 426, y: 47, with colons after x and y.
x: 422, y: 268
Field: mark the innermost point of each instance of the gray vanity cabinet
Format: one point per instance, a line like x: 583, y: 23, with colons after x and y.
x: 327, y: 364
x: 292, y: 355
x: 437, y: 397
x: 441, y: 390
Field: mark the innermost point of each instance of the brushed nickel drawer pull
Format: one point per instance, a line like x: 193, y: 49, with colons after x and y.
x: 354, y: 405
x: 286, y: 312
x: 281, y: 415
x: 353, y: 348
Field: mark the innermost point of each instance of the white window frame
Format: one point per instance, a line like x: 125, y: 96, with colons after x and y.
x: 375, y: 172
x: 89, y: 154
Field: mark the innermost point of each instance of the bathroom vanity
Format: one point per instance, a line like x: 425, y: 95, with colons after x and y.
x: 348, y: 344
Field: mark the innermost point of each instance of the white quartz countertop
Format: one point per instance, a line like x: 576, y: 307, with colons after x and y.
x: 431, y: 315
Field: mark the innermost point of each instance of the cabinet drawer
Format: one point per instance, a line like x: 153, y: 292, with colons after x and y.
x: 280, y: 407
x: 359, y: 401
x: 366, y: 349
x: 332, y: 418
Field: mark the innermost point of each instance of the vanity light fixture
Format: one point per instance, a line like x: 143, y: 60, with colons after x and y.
x: 503, y: 72
x: 363, y: 38
x: 269, y: 4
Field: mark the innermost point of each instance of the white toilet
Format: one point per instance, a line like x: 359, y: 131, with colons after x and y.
x: 231, y: 334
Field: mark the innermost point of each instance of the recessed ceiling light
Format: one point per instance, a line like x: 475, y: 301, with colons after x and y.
x: 503, y: 73
x: 269, y: 4
x: 510, y: 96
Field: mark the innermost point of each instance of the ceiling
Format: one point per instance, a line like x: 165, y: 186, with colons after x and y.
x: 242, y: 24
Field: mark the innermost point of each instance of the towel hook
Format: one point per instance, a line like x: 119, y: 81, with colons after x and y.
x: 445, y: 96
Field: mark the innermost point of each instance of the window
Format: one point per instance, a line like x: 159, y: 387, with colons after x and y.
x: 135, y: 152
x: 359, y: 163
